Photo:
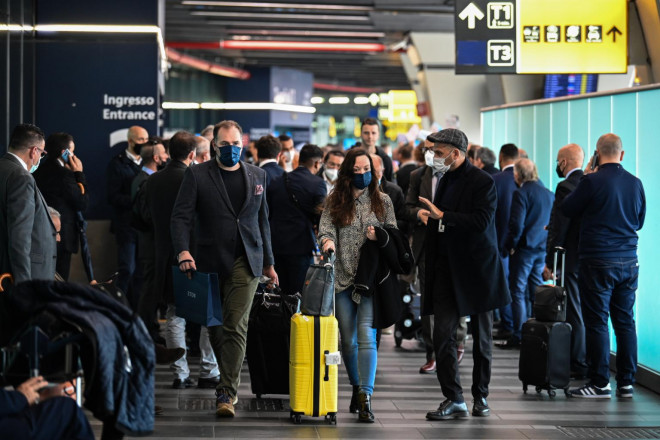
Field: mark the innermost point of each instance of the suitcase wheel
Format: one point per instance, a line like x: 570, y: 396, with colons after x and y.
x: 259, y: 396
x: 552, y: 393
x: 331, y: 418
x: 566, y: 393
x: 296, y: 418
x: 524, y: 388
x: 397, y: 341
x: 538, y: 390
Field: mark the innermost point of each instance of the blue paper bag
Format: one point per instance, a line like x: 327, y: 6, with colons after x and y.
x: 197, y: 299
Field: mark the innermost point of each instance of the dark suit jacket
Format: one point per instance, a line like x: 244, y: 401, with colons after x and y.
x: 403, y: 176
x: 471, y: 243
x: 420, y: 186
x: 59, y: 186
x: 388, y: 170
x: 27, y: 235
x: 505, y: 186
x: 142, y: 220
x: 490, y: 169
x: 291, y: 227
x: 119, y: 174
x: 273, y: 171
x: 160, y: 195
x: 203, y: 203
x: 530, y: 214
x: 399, y: 204
x: 564, y: 231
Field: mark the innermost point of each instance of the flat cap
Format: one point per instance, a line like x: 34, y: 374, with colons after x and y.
x: 450, y: 136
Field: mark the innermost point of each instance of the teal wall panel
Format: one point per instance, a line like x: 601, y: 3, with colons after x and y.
x: 543, y: 128
x: 648, y: 300
x: 499, y: 122
x: 542, y: 138
x: 487, y: 129
x: 578, y: 122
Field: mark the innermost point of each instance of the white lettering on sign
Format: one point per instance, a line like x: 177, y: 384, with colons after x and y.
x: 191, y: 294
x: 500, y: 53
x: 471, y: 13
x: 116, y: 103
x: 500, y: 15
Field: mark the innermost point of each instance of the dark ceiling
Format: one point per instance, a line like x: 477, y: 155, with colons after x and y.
x: 356, y: 21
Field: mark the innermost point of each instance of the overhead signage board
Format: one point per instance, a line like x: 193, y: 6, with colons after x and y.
x: 541, y: 36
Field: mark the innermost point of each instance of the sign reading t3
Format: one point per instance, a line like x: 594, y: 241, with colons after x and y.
x: 541, y: 36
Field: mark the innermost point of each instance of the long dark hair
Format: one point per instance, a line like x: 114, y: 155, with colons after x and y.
x: 341, y: 203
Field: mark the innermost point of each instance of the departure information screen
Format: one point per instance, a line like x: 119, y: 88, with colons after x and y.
x: 567, y: 85
x: 541, y: 36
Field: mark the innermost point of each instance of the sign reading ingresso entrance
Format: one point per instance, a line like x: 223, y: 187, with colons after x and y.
x: 541, y: 36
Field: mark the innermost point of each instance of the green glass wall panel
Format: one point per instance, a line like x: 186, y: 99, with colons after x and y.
x: 578, y: 124
x: 624, y: 115
x: 540, y: 152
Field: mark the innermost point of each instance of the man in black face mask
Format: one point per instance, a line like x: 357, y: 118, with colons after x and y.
x: 225, y: 200
x: 565, y: 232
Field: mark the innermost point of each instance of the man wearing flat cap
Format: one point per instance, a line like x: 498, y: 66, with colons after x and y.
x: 464, y: 275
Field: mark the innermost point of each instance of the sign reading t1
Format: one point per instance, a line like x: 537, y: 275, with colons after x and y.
x: 541, y: 36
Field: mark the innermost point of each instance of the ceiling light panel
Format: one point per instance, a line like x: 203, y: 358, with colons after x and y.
x: 268, y: 16
x: 276, y: 5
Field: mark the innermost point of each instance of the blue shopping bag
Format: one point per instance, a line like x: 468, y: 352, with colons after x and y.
x: 198, y: 299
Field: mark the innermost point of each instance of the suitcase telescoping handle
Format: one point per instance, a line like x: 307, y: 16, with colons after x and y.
x: 562, y: 251
x: 331, y: 262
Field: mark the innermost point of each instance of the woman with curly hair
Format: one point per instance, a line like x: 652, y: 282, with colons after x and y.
x: 352, y: 211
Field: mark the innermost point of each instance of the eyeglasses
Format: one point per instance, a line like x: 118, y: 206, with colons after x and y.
x: 42, y: 152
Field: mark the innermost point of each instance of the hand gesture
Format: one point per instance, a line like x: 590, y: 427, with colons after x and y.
x: 423, y: 215
x: 434, y: 211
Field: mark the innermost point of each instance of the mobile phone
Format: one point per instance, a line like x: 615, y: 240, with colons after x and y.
x: 65, y: 155
x: 594, y: 160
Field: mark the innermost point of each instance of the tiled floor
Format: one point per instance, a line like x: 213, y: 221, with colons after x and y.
x: 400, y: 403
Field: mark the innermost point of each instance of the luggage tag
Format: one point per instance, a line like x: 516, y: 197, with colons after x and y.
x: 333, y: 358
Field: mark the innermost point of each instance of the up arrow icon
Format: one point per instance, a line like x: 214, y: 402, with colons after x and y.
x: 472, y: 13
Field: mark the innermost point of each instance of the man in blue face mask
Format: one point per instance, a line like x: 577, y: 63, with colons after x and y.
x: 27, y: 234
x: 226, y: 201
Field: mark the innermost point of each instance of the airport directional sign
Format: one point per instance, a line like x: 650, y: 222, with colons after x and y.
x: 541, y: 36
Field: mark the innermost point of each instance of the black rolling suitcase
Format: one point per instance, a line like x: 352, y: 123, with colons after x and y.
x: 550, y: 300
x: 268, y: 340
x: 545, y: 356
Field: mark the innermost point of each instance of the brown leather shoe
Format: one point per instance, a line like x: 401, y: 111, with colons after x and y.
x: 460, y: 351
x: 168, y: 355
x: 428, y: 368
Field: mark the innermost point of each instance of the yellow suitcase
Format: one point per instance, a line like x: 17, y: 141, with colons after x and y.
x: 313, y: 363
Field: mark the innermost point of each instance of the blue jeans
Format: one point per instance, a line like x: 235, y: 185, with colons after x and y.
x: 358, y: 339
x: 506, y: 315
x: 525, y: 272
x: 607, y: 289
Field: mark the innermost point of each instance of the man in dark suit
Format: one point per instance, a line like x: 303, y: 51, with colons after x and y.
x: 27, y: 234
x: 505, y: 186
x: 565, y: 232
x: 268, y: 150
x: 485, y: 160
x: 464, y: 273
x: 295, y: 202
x: 62, y: 182
x: 120, y: 173
x: 160, y: 194
x: 408, y: 165
x: 525, y: 242
x: 225, y: 202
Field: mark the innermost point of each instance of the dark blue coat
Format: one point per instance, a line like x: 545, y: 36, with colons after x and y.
x: 564, y: 231
x: 291, y: 226
x: 505, y: 186
x: 530, y: 214
x: 120, y: 174
x: 273, y: 171
x: 119, y: 368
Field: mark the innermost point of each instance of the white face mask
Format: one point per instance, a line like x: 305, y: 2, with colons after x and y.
x: 440, y: 166
x: 331, y: 174
x: 428, y: 158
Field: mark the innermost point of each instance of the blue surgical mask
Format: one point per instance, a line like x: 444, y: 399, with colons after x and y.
x: 229, y: 155
x: 34, y: 167
x: 361, y: 181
